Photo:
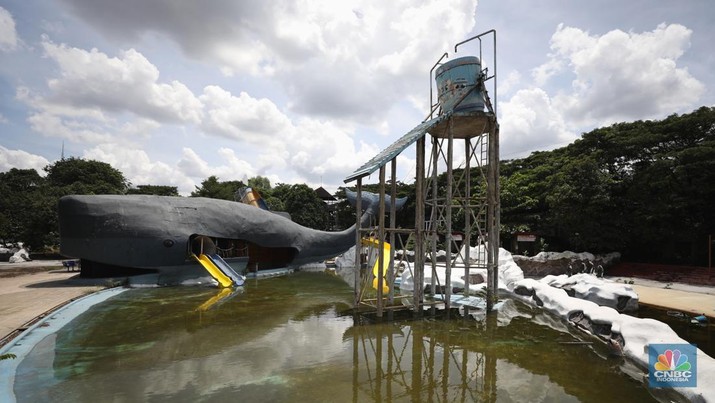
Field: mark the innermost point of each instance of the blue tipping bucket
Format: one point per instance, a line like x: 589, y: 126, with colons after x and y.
x: 454, y: 79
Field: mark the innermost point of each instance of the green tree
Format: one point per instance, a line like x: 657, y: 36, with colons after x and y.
x: 211, y: 187
x: 260, y: 184
x: 66, y: 177
x: 19, y: 188
x: 79, y: 176
x: 305, y: 207
x: 643, y: 188
x: 158, y: 190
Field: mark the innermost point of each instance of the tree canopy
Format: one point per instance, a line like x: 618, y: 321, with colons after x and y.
x: 158, y: 190
x: 212, y: 188
x: 28, y: 208
x: 644, y: 188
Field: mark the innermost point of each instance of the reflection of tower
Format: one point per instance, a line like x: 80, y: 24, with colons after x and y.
x: 456, y: 190
x: 421, y: 361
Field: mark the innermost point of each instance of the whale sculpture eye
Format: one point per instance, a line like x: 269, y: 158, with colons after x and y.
x: 168, y: 243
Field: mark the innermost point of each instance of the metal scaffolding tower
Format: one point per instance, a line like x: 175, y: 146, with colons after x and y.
x: 456, y: 190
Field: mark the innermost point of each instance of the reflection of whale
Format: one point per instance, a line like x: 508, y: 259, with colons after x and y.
x: 152, y: 342
x: 162, y: 233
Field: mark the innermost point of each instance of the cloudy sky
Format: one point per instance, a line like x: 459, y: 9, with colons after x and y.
x: 173, y: 91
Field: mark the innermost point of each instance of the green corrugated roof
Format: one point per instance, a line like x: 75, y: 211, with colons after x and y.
x: 393, y: 150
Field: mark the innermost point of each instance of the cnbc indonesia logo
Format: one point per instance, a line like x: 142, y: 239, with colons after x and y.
x: 672, y: 365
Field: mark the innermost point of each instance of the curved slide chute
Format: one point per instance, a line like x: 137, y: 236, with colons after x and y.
x: 220, y: 270
x: 372, y: 242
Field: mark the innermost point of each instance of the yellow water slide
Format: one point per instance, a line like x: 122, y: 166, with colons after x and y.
x: 214, y: 271
x: 372, y: 242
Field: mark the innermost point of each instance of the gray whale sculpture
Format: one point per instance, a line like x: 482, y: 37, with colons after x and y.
x: 163, y: 232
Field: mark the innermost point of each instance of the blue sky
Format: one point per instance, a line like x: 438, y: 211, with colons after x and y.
x: 170, y: 92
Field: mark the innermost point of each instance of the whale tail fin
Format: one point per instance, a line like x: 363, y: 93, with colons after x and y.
x: 370, y: 202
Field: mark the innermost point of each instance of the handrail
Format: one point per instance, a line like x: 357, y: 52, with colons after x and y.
x: 491, y: 31
x: 431, y: 105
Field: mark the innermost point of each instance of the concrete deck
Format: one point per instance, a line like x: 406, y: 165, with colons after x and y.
x: 27, y: 296
x: 684, y: 301
x: 688, y: 298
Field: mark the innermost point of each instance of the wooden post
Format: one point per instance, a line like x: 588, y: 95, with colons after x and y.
x: 393, y: 223
x: 448, y: 217
x: 434, y: 215
x: 358, y: 235
x: 419, y: 226
x: 381, y: 243
x: 493, y: 221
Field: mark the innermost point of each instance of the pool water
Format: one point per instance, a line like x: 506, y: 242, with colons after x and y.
x: 700, y: 334
x: 295, y: 339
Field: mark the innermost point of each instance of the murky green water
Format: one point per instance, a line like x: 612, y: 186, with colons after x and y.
x: 293, y: 339
x: 702, y: 335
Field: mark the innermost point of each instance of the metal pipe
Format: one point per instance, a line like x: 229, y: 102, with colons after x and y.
x: 431, y: 105
x: 473, y: 38
x: 467, y: 211
x: 494, y: 32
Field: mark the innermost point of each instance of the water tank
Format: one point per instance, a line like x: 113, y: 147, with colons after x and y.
x: 457, y: 78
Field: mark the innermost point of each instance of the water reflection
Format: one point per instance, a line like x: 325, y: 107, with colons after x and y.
x: 295, y: 339
x: 503, y: 358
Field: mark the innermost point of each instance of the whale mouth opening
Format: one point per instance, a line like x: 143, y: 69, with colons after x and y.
x: 258, y: 257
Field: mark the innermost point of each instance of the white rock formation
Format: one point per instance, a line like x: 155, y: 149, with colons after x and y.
x: 603, y: 292
x: 509, y: 273
x: 20, y: 256
x: 629, y: 334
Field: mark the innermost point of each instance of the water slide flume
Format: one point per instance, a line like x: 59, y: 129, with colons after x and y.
x: 221, y: 271
x: 376, y: 270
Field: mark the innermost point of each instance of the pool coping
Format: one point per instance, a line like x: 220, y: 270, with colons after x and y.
x: 22, y: 344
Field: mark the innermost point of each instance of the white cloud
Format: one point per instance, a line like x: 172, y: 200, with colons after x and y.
x: 614, y: 77
x: 79, y: 131
x: 243, y: 117
x: 544, y: 72
x: 333, y: 59
x: 8, y: 35
x: 21, y: 160
x: 94, y: 97
x: 530, y: 121
x: 508, y: 84
x: 129, y: 83
x: 624, y: 76
x: 312, y: 148
x: 105, y: 101
x: 192, y: 165
x: 325, y: 150
x: 233, y: 167
x: 137, y: 166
